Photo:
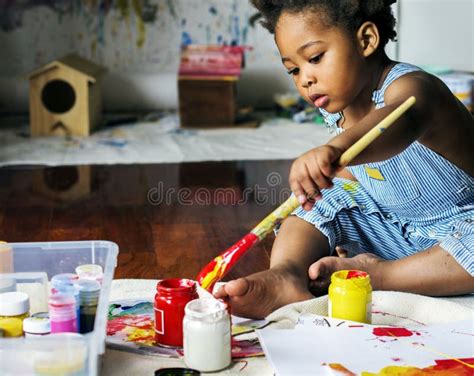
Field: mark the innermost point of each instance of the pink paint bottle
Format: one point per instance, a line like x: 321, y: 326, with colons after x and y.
x: 62, y: 313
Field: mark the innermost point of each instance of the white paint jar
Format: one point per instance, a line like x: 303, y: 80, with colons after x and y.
x: 207, y: 335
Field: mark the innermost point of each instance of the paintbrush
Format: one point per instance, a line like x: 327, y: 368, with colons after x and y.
x: 218, y: 267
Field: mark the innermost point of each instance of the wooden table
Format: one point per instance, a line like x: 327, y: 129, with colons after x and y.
x: 169, y: 220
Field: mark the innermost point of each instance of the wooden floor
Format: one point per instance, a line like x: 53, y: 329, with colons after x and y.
x: 169, y: 220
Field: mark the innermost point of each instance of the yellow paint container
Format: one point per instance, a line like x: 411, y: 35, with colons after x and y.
x: 14, y: 308
x: 350, y: 296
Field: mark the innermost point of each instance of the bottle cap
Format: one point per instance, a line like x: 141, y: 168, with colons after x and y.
x: 62, y: 307
x: 90, y: 271
x: 89, y: 291
x: 7, y: 285
x: 63, y: 279
x: 89, y: 268
x: 37, y: 325
x: 43, y: 315
x: 14, y: 303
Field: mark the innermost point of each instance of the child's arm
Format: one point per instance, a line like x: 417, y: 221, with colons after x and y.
x: 315, y: 169
x: 432, y: 272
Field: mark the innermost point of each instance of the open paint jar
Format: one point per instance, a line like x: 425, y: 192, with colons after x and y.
x: 207, y: 335
x: 171, y: 297
x: 350, y: 296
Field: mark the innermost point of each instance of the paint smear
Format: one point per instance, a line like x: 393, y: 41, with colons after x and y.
x: 393, y: 332
x: 340, y: 369
x: 137, y: 7
x: 442, y: 367
x: 118, y: 324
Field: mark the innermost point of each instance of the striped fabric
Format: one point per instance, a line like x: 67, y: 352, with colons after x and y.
x: 399, y: 206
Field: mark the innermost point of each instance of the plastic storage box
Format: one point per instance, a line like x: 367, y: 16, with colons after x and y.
x: 66, y: 354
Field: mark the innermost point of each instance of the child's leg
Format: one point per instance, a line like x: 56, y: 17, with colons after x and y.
x: 296, y: 247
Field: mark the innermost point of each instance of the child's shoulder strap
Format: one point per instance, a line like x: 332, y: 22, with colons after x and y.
x: 397, y: 71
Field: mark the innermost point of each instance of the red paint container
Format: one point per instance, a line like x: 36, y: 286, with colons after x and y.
x: 171, y: 297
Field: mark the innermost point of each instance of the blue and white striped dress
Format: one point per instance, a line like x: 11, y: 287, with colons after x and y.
x: 399, y: 206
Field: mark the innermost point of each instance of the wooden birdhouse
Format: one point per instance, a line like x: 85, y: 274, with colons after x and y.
x: 65, y: 97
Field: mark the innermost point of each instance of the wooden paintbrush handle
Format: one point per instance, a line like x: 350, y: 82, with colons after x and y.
x: 375, y: 132
x: 285, y: 209
x: 218, y: 267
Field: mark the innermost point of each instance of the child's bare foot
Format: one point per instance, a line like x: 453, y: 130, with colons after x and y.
x: 259, y: 294
x: 320, y: 272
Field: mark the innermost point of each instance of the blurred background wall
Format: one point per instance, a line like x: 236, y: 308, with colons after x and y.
x: 138, y: 41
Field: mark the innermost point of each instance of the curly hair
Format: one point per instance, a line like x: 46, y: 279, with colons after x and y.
x: 350, y: 14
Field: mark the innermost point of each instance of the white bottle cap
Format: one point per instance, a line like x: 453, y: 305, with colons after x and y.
x: 14, y: 303
x: 89, y: 268
x: 7, y: 285
x: 37, y: 325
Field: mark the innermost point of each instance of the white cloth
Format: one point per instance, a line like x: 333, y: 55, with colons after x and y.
x: 395, y: 308
x: 162, y: 142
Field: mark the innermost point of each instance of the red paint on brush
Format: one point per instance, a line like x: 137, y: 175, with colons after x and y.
x: 393, y: 332
x: 218, y: 267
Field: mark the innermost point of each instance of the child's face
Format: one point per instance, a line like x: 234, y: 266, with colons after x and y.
x: 326, y: 64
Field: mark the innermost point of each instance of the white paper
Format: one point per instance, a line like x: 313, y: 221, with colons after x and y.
x: 311, y: 349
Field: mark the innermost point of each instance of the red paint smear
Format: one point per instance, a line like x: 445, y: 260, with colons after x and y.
x: 119, y: 323
x: 443, y: 364
x: 230, y: 257
x: 151, y: 337
x: 356, y: 274
x: 392, y: 332
x: 396, y: 359
x: 442, y: 367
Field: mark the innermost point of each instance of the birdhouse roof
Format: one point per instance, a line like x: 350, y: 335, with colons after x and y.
x: 85, y: 67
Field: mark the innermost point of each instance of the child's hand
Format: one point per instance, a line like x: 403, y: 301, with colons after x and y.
x: 312, y: 172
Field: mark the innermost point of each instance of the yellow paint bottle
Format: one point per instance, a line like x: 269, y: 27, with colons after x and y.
x: 350, y: 296
x: 14, y: 307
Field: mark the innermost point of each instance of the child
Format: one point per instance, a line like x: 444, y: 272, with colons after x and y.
x: 403, y: 210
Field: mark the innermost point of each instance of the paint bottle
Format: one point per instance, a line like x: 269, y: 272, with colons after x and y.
x: 36, y: 327
x: 63, y: 279
x: 62, y: 313
x: 350, y: 296
x: 171, y: 297
x: 89, y: 292
x: 64, y: 283
x: 14, y: 307
x: 41, y: 315
x: 6, y: 258
x: 207, y: 335
x: 90, y: 271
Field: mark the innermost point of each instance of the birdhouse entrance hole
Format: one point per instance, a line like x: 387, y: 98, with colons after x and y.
x: 58, y: 96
